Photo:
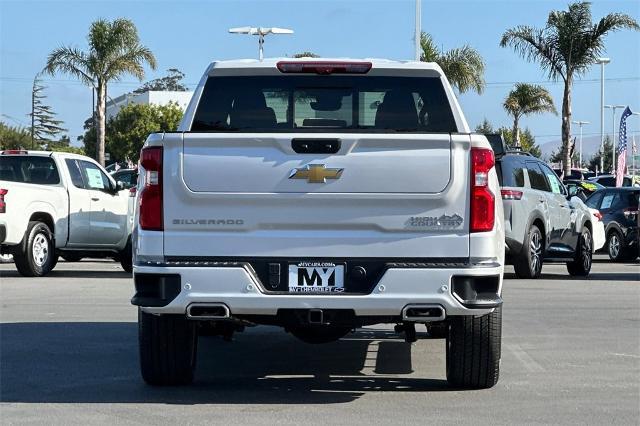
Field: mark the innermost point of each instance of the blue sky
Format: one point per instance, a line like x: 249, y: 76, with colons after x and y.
x: 188, y: 35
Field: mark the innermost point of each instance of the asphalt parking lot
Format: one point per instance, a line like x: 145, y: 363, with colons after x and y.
x: 570, y: 354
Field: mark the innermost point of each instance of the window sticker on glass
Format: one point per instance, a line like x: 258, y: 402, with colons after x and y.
x: 95, y: 178
x: 606, y: 201
x: 555, y: 188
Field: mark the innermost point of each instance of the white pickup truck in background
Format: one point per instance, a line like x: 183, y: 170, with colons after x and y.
x: 60, y: 204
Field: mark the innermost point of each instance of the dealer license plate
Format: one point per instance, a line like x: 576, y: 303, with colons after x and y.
x: 316, y: 277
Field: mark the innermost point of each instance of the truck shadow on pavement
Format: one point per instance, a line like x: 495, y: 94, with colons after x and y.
x: 71, y: 273
x: 85, y: 362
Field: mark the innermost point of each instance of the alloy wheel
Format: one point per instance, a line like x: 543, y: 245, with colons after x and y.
x: 535, y: 251
x: 614, y: 246
x: 586, y: 251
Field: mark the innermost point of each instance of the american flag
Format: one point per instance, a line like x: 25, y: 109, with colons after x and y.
x: 622, y: 147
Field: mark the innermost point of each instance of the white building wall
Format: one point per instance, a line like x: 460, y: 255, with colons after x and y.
x: 146, y: 98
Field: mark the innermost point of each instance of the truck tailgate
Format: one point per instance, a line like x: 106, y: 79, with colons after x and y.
x: 228, y: 195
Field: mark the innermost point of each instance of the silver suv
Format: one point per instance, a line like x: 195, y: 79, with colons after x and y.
x: 542, y: 222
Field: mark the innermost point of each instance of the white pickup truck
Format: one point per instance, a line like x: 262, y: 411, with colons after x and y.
x: 60, y: 204
x: 319, y: 196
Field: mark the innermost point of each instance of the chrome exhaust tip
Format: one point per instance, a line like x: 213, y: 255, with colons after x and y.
x: 423, y: 313
x: 208, y: 311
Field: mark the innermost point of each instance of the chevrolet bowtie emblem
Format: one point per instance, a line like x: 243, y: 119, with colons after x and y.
x: 315, y: 173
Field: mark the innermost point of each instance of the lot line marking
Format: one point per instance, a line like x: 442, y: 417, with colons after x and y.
x: 529, y: 363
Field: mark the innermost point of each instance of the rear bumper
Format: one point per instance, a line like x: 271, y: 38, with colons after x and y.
x: 244, y: 294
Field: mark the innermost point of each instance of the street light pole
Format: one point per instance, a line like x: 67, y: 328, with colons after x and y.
x: 581, y: 123
x: 418, y: 33
x: 602, y: 62
x: 613, y: 135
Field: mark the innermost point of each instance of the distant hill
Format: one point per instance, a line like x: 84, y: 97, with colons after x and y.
x: 590, y: 145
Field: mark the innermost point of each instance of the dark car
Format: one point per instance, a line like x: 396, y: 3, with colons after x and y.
x: 129, y: 177
x: 576, y: 174
x: 610, y: 180
x: 581, y: 188
x: 619, y: 209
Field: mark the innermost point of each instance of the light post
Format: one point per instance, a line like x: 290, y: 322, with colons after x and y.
x: 613, y: 135
x: 602, y: 62
x: 261, y: 33
x: 418, y: 33
x: 581, y: 123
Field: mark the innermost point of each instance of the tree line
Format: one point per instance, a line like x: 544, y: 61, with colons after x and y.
x: 565, y: 47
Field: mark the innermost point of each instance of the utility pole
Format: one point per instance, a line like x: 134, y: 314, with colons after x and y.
x: 581, y: 123
x: 602, y: 62
x: 418, y: 33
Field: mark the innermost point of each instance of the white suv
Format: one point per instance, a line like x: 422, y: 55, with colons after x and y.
x: 319, y: 196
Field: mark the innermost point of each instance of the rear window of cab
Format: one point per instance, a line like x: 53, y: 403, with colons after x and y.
x: 316, y: 103
x: 29, y: 169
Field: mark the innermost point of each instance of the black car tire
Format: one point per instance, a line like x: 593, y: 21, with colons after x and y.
x: 168, y: 346
x: 35, y: 256
x: 528, y: 264
x: 581, y: 266
x: 473, y: 350
x: 126, y: 257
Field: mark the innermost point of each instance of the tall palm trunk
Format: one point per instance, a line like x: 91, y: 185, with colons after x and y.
x: 566, y: 125
x: 100, y: 131
x: 516, y: 131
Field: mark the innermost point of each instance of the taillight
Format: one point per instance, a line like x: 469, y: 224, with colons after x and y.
x: 483, y: 202
x: 14, y: 151
x: 323, y: 67
x: 511, y: 194
x: 630, y: 212
x: 132, y: 191
x: 3, y: 203
x: 151, y: 193
x: 598, y: 215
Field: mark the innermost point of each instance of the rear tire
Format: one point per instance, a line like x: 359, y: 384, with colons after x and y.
x: 168, y: 345
x: 126, y: 257
x: 581, y: 266
x: 473, y: 350
x: 35, y: 256
x: 528, y: 263
x: 616, y: 249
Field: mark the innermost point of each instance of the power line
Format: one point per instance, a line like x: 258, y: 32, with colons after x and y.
x: 584, y: 134
x: 194, y: 84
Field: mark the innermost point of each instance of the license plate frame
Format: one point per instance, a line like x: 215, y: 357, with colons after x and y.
x: 316, y: 277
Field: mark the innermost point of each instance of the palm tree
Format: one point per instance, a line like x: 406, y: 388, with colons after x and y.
x: 114, y: 50
x: 527, y: 99
x: 566, y: 48
x: 463, y: 66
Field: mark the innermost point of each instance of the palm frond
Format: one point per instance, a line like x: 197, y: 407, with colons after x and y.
x: 535, y: 45
x: 71, y: 61
x: 527, y: 99
x: 429, y: 50
x: 464, y: 68
x: 131, y: 62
